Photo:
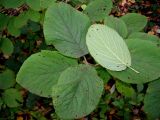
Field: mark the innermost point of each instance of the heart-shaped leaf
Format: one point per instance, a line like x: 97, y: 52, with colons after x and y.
x: 77, y: 92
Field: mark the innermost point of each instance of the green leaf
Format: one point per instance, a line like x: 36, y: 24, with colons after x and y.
x: 4, y: 21
x: 12, y: 29
x: 41, y: 71
x: 34, y: 4
x: 98, y: 9
x: 12, y: 97
x: 117, y: 24
x: 46, y: 3
x: 66, y: 28
x: 135, y: 22
x: 7, y: 79
x: 77, y: 92
x: 145, y: 59
x: 6, y: 46
x: 21, y: 20
x: 144, y: 36
x: 12, y: 3
x: 108, y: 48
x: 38, y: 5
x: 33, y: 15
x: 103, y: 74
x: 152, y: 100
x: 125, y: 89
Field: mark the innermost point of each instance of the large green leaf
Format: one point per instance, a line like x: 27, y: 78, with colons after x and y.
x: 6, y: 46
x: 77, y: 92
x: 66, y: 28
x: 145, y: 59
x: 7, y: 79
x: 152, y: 100
x: 98, y: 9
x: 135, y: 22
x: 144, y: 36
x: 41, y: 71
x: 117, y: 24
x: 12, y: 97
x: 108, y: 48
x: 12, y: 3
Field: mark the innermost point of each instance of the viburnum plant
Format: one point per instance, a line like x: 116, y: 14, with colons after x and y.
x: 117, y: 44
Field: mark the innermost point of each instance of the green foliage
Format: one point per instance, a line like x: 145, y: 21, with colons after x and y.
x: 22, y: 19
x: 98, y: 9
x: 1, y: 102
x: 125, y: 89
x: 117, y: 24
x: 4, y: 21
x: 145, y: 59
x: 12, y: 29
x: 103, y: 74
x: 12, y: 3
x: 12, y: 97
x: 42, y: 75
x: 144, y: 36
x: 60, y: 65
x: 70, y: 27
x: 38, y: 5
x: 135, y: 22
x: 151, y: 101
x: 33, y: 15
x: 6, y: 46
x: 77, y: 92
x: 108, y: 48
x: 7, y: 79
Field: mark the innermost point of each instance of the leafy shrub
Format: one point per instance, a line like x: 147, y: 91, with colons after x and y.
x: 64, y: 74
